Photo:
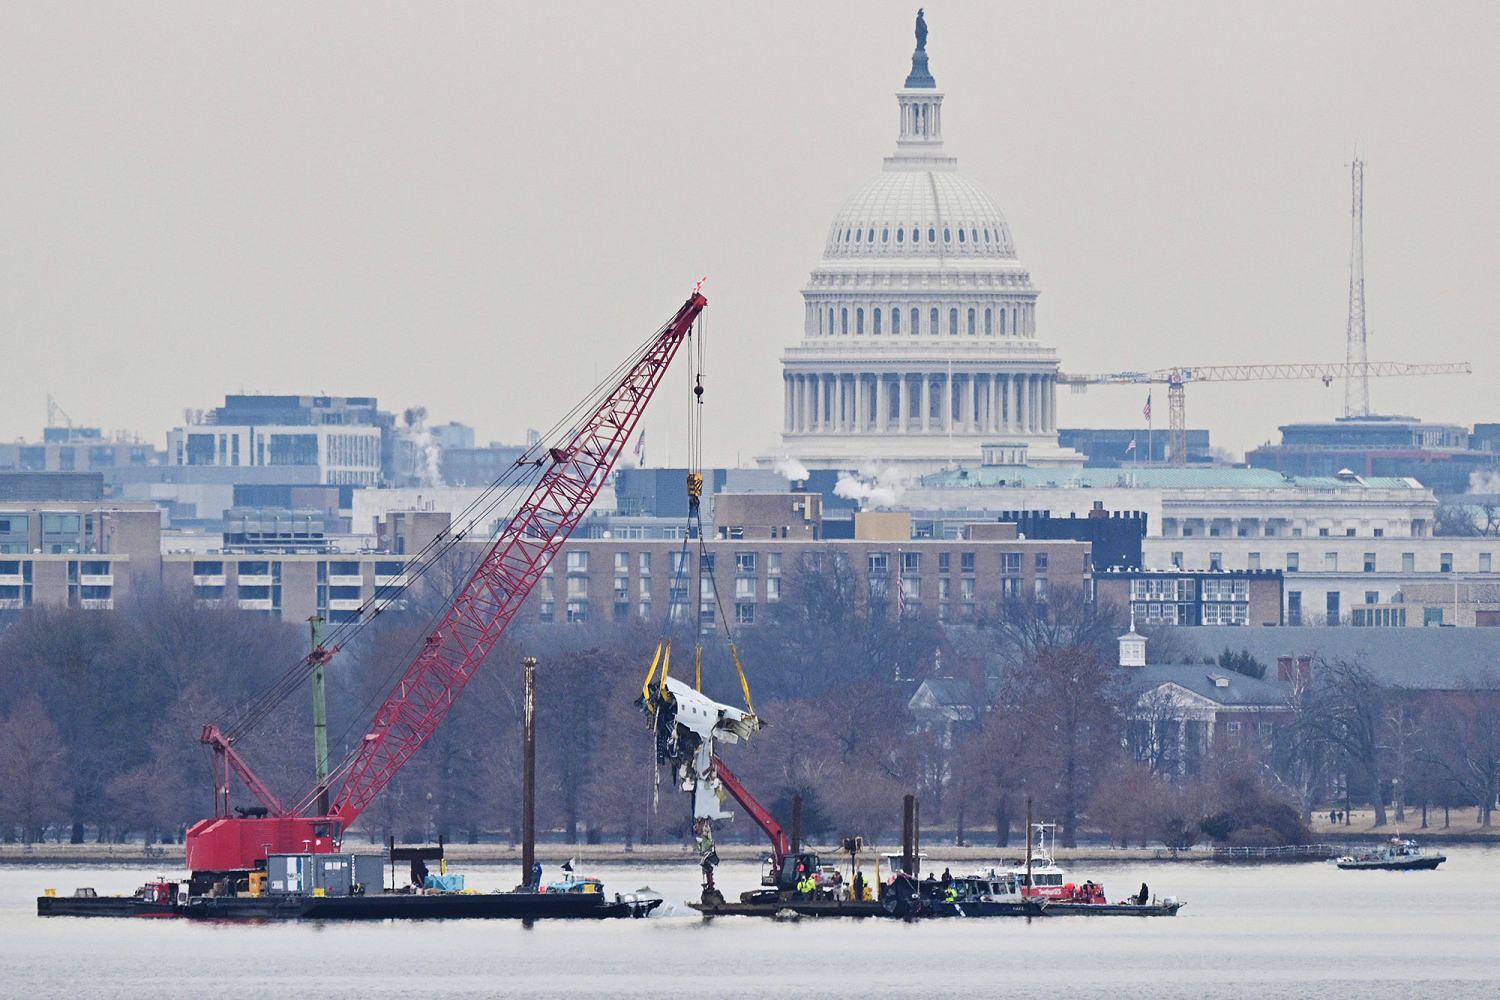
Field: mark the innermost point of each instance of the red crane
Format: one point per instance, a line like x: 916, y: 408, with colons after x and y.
x: 572, y: 476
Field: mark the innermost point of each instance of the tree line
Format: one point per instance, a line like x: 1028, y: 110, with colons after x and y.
x: 100, y: 714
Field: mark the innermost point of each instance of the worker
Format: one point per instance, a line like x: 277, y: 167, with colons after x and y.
x: 947, y: 878
x: 859, y: 885
x: 536, y: 876
x: 951, y: 893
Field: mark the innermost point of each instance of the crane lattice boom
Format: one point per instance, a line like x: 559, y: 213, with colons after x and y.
x: 572, y: 477
x: 1176, y: 380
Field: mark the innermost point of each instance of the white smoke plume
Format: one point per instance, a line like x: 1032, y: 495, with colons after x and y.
x: 426, y: 453
x: 1484, y: 481
x: 872, y: 486
x: 793, y: 470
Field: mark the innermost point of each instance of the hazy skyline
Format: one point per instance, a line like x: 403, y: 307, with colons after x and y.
x: 480, y: 209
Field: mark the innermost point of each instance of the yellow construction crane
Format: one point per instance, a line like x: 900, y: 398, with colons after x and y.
x: 1176, y: 380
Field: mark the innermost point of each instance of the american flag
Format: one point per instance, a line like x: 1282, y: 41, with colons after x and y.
x: 1130, y: 447
x: 640, y: 448
x: 1146, y: 410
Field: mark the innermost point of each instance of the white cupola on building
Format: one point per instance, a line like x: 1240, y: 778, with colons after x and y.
x: 1132, y: 648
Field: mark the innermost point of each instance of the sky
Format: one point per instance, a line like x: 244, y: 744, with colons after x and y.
x: 480, y: 208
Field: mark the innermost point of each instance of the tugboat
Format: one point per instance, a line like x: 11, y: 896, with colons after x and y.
x: 1041, y: 878
x: 1396, y: 855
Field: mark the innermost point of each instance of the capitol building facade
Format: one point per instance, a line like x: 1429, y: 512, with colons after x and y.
x: 919, y: 347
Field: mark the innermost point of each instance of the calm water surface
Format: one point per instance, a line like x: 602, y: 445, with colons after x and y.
x: 1304, y: 930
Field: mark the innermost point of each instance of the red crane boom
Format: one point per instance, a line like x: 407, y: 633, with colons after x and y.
x: 572, y: 477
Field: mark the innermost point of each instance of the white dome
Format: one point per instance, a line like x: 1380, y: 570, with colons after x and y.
x: 920, y: 213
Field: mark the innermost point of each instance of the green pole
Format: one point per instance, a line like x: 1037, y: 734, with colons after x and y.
x: 320, y: 713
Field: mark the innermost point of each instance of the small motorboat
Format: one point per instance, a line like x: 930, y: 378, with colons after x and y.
x: 1396, y: 855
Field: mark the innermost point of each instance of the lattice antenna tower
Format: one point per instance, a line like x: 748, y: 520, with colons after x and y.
x: 1357, y: 386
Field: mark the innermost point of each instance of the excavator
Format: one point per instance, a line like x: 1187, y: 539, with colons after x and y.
x: 564, y: 474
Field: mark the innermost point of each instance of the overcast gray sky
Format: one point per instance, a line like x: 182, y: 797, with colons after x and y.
x: 480, y: 208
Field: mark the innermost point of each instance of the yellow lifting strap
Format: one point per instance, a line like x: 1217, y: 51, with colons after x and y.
x: 698, y: 662
x: 646, y: 687
x: 665, y: 661
x: 744, y: 684
x: 695, y: 484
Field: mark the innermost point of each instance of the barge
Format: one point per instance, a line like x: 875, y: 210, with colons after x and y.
x: 336, y: 887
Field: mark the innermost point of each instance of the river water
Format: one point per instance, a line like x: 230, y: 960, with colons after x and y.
x: 1298, y: 930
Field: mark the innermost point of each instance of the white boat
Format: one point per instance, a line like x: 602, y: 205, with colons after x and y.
x: 1396, y: 855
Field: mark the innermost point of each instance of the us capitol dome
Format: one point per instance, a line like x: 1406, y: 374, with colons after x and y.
x: 919, y: 347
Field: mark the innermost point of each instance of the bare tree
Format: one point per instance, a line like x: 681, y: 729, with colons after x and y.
x: 1345, y: 709
x: 33, y: 782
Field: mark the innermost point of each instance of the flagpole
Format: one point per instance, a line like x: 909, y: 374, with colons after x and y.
x: 1151, y: 455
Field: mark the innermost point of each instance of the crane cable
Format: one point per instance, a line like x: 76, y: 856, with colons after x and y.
x: 695, y: 520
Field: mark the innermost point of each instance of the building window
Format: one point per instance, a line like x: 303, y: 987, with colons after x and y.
x: 1252, y: 560
x: 966, y: 588
x: 1445, y: 562
x: 578, y: 612
x: 1216, y: 562
x: 876, y: 317
x: 1322, y: 532
x: 895, y: 322
x: 622, y: 588
x: 1177, y: 560
x: 1379, y: 532
x: 1348, y: 532
x: 773, y: 588
x: 945, y: 588
x: 943, y: 562
x: 911, y: 562
x: 966, y: 562
x: 1294, y: 607
x: 1372, y: 597
x: 1331, y: 562
x: 1369, y: 562
x: 914, y: 316
x: 1041, y: 588
x: 971, y: 323
x: 1332, y: 598
x: 953, y: 322
x: 744, y: 614
x: 1010, y: 562
x: 859, y: 321
x: 1408, y: 562
x: 578, y: 562
x: 1484, y: 562
x: 880, y: 563
x: 744, y: 562
x: 622, y: 562
x: 744, y: 588
x: 1041, y: 562
x: 643, y: 563
x: 578, y: 586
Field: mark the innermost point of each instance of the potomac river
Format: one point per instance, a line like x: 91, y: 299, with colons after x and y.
x: 1304, y: 930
